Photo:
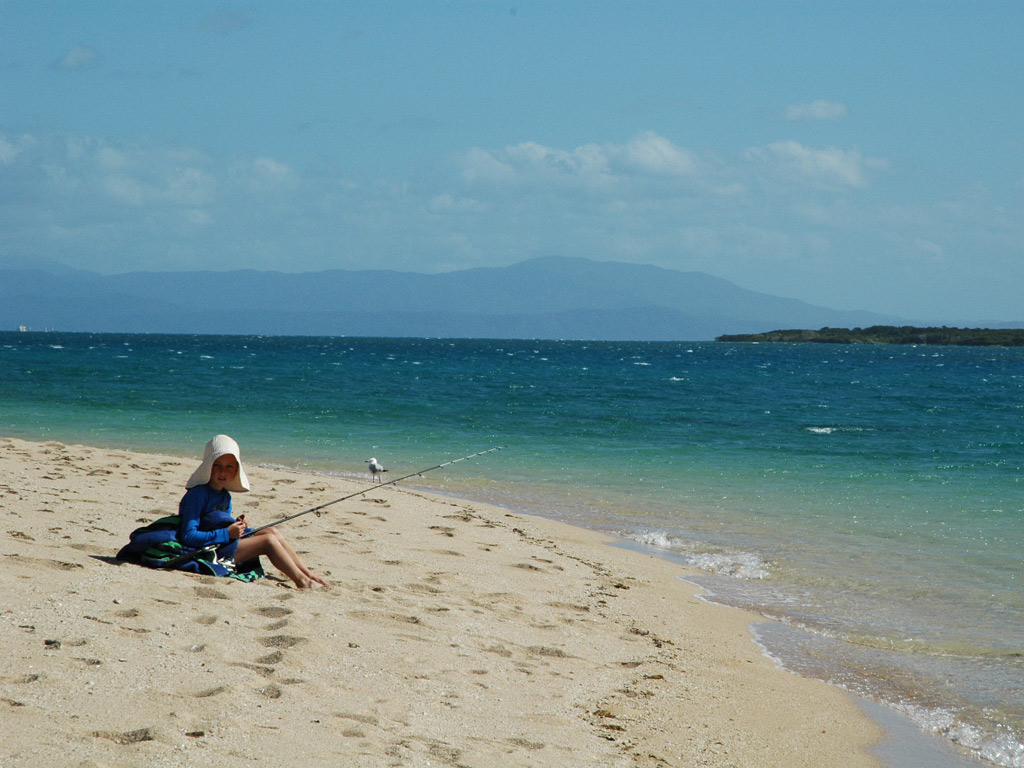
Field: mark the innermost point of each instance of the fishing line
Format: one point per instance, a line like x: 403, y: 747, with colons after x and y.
x: 318, y: 510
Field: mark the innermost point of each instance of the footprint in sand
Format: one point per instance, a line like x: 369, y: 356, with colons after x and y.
x: 57, y: 565
x: 528, y: 567
x: 281, y: 641
x: 205, y: 694
x: 464, y: 517
x: 274, y: 611
x: 526, y: 743
x: 259, y: 669
x: 206, y: 619
x: 359, y: 718
x: 423, y: 589
x: 212, y: 593
x: 127, y: 737
x: 500, y: 650
x: 90, y: 549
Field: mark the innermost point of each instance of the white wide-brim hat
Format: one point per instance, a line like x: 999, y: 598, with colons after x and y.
x: 221, y: 445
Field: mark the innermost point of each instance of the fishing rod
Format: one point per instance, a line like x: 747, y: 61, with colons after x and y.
x: 374, y: 487
x: 191, y: 555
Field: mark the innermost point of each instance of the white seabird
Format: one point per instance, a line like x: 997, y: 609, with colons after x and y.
x: 376, y: 469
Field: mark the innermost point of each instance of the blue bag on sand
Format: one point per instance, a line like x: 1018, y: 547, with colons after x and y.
x: 156, y: 544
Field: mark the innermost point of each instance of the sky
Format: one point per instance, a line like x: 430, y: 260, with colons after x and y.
x: 855, y: 155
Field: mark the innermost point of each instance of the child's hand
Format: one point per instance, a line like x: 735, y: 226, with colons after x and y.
x: 237, y: 528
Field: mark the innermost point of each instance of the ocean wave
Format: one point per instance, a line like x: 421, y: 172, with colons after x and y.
x: 948, y: 649
x: 1003, y: 749
x: 841, y: 660
x: 832, y: 430
x: 739, y: 565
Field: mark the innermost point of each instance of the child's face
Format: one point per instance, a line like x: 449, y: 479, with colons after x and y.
x: 224, y: 470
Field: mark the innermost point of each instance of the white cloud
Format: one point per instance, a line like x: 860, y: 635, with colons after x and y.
x: 775, y: 217
x: 78, y: 57
x: 929, y: 247
x: 96, y: 203
x: 140, y: 175
x: 653, y: 154
x: 481, y: 166
x: 824, y: 168
x: 650, y: 164
x: 10, y: 148
x: 586, y: 165
x: 589, y: 167
x: 817, y: 110
x: 264, y: 175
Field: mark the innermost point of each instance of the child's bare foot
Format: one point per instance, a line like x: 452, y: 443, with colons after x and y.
x: 308, y: 574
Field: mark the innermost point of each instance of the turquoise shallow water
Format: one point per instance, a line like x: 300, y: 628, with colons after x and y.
x: 869, y: 497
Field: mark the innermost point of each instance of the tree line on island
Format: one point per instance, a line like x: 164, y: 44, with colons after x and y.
x: 890, y: 334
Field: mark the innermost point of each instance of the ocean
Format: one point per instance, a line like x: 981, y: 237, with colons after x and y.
x: 869, y: 498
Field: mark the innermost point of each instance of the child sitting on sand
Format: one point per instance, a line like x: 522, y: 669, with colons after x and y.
x: 206, y: 518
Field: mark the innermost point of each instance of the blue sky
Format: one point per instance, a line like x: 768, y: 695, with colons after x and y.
x: 856, y: 155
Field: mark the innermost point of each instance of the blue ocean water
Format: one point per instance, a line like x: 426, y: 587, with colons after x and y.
x: 869, y: 497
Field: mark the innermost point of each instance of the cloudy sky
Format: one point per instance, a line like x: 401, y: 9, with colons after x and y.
x: 857, y: 155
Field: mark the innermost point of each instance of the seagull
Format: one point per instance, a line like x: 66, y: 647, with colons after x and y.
x: 376, y: 469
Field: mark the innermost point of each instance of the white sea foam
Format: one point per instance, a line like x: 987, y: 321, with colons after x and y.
x: 999, y: 749
x: 833, y: 430
x: 739, y: 565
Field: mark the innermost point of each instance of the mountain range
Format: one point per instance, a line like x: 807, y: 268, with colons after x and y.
x: 549, y: 297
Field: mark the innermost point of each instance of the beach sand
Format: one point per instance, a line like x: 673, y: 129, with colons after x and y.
x: 453, y: 634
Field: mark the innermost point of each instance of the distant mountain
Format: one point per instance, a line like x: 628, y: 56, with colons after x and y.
x: 551, y: 298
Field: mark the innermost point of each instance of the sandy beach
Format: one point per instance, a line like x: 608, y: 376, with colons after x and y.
x: 453, y: 634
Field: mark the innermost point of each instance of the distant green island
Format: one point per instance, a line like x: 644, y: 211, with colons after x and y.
x: 891, y: 334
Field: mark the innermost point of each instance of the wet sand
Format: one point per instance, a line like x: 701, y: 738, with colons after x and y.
x: 452, y: 634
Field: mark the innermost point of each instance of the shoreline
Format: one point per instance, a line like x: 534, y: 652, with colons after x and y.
x: 453, y: 633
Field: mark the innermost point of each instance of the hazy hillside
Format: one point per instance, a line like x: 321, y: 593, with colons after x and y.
x: 542, y: 298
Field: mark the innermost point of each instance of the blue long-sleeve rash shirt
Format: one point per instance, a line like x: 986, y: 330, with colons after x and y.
x: 205, y: 516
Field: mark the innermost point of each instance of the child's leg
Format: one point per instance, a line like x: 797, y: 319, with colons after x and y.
x: 294, y: 555
x: 270, y: 543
